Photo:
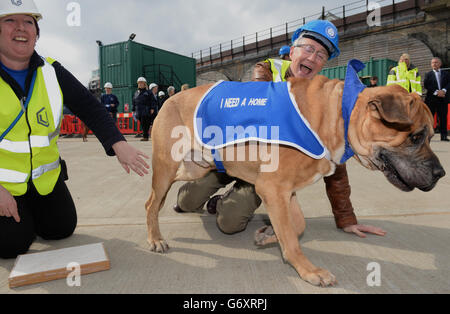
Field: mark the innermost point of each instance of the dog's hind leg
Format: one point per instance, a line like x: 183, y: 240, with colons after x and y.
x: 162, y: 180
x: 266, y: 235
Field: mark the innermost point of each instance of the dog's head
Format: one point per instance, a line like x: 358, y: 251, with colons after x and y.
x: 390, y: 130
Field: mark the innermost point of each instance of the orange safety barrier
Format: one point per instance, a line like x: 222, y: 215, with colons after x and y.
x: 69, y: 125
x: 125, y: 123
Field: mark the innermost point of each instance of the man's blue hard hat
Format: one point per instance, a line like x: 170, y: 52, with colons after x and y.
x: 323, y: 32
x: 285, y: 50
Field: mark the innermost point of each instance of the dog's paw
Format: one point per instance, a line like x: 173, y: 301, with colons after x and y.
x: 265, y: 235
x: 159, y: 246
x: 320, y: 277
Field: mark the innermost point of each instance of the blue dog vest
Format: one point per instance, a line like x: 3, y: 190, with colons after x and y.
x: 234, y: 112
x: 352, y: 88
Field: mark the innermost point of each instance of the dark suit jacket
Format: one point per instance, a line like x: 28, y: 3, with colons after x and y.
x: 431, y: 85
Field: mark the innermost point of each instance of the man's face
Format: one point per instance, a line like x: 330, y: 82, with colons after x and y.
x: 304, y: 64
x: 18, y: 37
x: 108, y: 90
x: 142, y: 85
x: 373, y: 82
x: 435, y: 64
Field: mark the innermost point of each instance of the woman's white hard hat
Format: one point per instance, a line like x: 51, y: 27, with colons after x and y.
x: 13, y: 7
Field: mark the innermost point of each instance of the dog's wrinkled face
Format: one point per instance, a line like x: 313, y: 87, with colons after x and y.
x: 390, y: 130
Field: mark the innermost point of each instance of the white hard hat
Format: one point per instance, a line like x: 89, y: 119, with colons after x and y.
x: 161, y: 93
x: 12, y: 7
x: 108, y: 85
x: 152, y: 85
x: 142, y: 79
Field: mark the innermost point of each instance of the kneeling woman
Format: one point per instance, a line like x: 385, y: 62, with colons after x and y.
x: 34, y: 200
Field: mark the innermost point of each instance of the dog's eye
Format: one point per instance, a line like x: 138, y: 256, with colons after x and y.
x: 416, y: 138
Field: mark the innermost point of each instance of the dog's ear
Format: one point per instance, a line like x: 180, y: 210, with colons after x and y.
x: 392, y: 109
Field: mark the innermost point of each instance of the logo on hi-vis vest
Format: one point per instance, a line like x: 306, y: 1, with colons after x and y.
x: 17, y: 2
x: 42, y: 118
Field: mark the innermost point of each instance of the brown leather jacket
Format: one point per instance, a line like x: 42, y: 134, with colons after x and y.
x: 337, y: 185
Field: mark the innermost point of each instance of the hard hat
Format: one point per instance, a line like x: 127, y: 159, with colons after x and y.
x: 285, y: 50
x: 161, y: 93
x: 322, y: 31
x: 108, y: 85
x: 141, y: 79
x: 27, y: 7
x: 152, y: 85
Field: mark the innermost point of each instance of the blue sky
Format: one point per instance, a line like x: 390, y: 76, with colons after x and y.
x: 180, y: 26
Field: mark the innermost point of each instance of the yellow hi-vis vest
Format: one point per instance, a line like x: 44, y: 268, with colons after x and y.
x: 279, y: 68
x: 29, y: 151
x: 408, y: 79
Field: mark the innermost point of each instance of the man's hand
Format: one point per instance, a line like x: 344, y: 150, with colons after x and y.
x: 131, y: 158
x: 441, y: 93
x: 8, y: 205
x: 360, y: 229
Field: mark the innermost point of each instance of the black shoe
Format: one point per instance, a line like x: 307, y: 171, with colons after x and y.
x: 445, y: 140
x: 138, y: 135
x: 178, y: 209
x: 212, y: 204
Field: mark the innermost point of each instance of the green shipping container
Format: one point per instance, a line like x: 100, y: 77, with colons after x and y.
x: 122, y: 63
x: 373, y: 67
x: 125, y: 96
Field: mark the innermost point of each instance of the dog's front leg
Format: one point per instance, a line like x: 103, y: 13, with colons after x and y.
x: 277, y: 205
x: 266, y: 235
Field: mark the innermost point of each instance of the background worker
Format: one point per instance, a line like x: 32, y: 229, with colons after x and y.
x: 284, y: 53
x: 142, y: 107
x: 373, y: 81
x: 155, y: 103
x: 110, y: 101
x: 313, y: 44
x: 406, y: 75
x: 34, y: 199
x: 162, y: 98
x: 170, y: 91
x: 437, y: 83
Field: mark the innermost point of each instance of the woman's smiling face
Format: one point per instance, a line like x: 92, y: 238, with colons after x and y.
x: 18, y: 36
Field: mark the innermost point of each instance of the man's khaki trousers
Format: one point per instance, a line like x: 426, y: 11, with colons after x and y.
x: 234, y: 210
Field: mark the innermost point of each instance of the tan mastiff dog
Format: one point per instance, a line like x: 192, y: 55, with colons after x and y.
x: 389, y: 130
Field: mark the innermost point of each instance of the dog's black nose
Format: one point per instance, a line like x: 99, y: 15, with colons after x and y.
x: 438, y: 172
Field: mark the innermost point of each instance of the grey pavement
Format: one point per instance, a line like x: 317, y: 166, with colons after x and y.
x: 413, y: 257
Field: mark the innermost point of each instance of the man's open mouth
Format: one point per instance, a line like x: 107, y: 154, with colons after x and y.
x: 305, y: 69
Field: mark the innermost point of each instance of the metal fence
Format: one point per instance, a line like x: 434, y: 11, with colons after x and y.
x: 283, y: 31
